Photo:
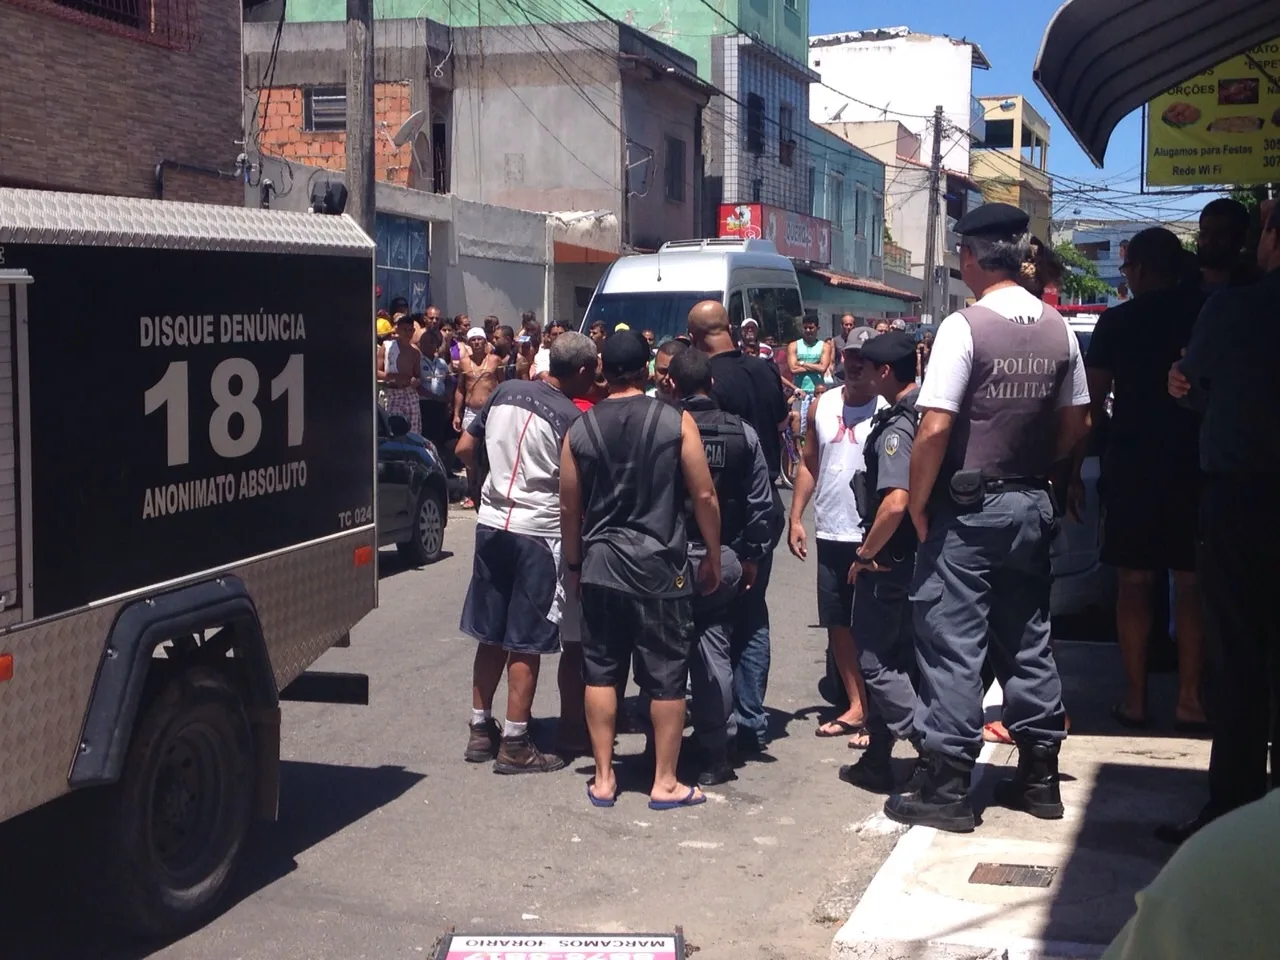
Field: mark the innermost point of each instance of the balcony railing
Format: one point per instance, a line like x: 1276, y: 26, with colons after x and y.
x: 897, y: 258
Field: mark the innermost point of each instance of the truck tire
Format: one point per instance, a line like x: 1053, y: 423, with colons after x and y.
x: 178, y: 817
x: 426, y: 544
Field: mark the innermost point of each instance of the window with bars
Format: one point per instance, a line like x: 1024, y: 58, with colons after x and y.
x: 128, y: 13
x: 811, y: 193
x: 835, y: 201
x: 675, y: 169
x: 786, y: 134
x: 860, y: 210
x: 324, y: 109
x: 755, y: 123
x: 166, y: 23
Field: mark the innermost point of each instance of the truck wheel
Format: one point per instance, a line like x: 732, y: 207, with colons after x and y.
x: 427, y: 542
x: 179, y: 815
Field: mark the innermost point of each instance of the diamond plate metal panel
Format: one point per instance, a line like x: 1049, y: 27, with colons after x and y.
x: 306, y: 599
x: 45, y: 217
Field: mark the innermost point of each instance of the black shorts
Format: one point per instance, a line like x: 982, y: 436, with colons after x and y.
x: 835, y: 592
x: 656, y: 633
x: 513, y: 600
x: 1149, y: 525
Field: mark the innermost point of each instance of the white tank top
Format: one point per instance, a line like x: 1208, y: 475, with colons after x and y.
x: 842, y: 432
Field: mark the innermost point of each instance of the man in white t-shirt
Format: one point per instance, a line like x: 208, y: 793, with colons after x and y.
x: 1004, y: 400
x: 836, y: 429
x: 516, y: 605
x: 542, y: 359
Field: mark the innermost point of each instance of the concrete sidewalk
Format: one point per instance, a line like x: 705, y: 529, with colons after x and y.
x: 1118, y: 785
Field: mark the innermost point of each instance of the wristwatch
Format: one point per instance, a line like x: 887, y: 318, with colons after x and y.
x: 573, y: 567
x: 861, y: 559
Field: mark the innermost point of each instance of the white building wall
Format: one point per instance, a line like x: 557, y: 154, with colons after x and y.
x: 912, y: 74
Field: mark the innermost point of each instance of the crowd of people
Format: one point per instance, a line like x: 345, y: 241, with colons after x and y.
x: 628, y: 512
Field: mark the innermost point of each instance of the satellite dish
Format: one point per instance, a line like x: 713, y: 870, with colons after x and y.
x: 409, y: 129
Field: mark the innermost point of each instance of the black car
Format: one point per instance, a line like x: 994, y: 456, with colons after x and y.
x: 413, y: 497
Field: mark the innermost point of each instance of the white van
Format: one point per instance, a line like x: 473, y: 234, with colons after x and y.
x: 655, y: 291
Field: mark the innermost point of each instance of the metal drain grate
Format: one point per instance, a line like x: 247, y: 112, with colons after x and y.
x: 1013, y: 875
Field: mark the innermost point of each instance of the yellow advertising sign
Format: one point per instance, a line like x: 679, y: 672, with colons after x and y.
x: 1222, y: 126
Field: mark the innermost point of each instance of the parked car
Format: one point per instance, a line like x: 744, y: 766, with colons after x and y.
x: 413, y: 498
x: 1081, y: 581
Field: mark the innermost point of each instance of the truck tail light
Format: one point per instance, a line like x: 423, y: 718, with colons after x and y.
x: 6, y: 667
x: 363, y: 556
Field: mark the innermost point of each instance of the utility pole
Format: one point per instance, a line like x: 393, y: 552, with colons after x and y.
x: 931, y: 305
x: 361, y: 202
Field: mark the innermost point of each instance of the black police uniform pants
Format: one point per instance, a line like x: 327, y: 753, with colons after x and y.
x: 886, y: 649
x: 1238, y: 563
x: 983, y: 576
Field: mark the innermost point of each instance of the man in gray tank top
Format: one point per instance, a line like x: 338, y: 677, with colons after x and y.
x: 1004, y: 399
x: 626, y: 468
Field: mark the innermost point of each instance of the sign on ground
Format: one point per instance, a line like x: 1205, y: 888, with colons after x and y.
x: 561, y: 946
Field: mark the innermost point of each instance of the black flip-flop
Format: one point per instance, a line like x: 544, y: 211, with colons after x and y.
x: 847, y: 729
x: 1130, y: 723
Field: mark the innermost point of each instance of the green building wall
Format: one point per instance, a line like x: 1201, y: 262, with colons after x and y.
x: 686, y: 25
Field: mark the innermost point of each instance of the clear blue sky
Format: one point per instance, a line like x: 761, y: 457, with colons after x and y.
x: 1010, y: 34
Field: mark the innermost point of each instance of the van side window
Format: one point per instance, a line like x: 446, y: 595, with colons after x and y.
x: 735, y: 310
x: 778, y: 311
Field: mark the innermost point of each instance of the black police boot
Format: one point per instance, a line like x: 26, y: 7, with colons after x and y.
x: 1034, y: 787
x: 717, y: 767
x: 942, y: 800
x: 874, y: 770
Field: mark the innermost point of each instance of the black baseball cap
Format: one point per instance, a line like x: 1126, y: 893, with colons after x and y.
x: 625, y: 352
x: 993, y: 220
x: 889, y: 347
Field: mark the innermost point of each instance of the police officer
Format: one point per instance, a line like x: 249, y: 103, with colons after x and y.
x: 885, y: 561
x: 746, y: 534
x: 1004, y: 399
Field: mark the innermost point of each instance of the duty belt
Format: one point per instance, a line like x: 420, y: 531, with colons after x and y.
x: 1009, y: 484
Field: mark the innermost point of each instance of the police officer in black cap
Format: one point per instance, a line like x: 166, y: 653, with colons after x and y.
x: 1004, y: 399
x: 747, y: 524
x: 885, y: 561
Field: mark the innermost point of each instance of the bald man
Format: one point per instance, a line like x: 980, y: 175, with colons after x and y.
x: 751, y: 388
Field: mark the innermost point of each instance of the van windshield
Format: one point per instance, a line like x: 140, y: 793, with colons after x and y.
x: 665, y: 313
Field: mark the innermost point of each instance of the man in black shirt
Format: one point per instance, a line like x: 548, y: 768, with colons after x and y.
x: 1226, y: 376
x: 752, y: 389
x: 626, y: 468
x: 1150, y: 468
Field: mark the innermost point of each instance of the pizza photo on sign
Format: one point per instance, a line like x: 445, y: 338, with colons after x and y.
x: 1181, y: 114
x: 1236, y: 125
x: 1237, y: 92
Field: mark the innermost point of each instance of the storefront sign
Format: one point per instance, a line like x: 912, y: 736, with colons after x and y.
x: 1222, y: 126
x: 794, y: 234
x: 584, y: 946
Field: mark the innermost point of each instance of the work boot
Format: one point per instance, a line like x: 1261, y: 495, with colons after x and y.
x: 482, y: 745
x: 942, y: 800
x: 717, y: 768
x: 1034, y: 787
x: 874, y: 770
x: 519, y: 755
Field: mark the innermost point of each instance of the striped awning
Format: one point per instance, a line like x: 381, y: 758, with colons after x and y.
x: 1102, y: 59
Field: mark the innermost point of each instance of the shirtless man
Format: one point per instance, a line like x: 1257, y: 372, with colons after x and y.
x: 400, y: 369
x: 478, y: 373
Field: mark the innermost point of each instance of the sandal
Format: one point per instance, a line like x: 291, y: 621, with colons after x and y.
x: 845, y: 729
x: 995, y: 732
x: 1126, y: 720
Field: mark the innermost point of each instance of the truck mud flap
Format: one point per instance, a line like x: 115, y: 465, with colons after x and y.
x: 138, y: 630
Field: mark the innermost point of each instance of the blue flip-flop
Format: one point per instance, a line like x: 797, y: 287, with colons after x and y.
x: 596, y: 801
x: 689, y: 801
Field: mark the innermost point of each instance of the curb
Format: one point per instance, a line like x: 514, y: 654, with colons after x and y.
x: 863, y: 936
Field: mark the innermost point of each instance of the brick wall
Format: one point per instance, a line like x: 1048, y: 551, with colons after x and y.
x: 281, y: 119
x: 84, y: 107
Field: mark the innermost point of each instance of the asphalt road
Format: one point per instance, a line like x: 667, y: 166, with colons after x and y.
x: 386, y: 836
